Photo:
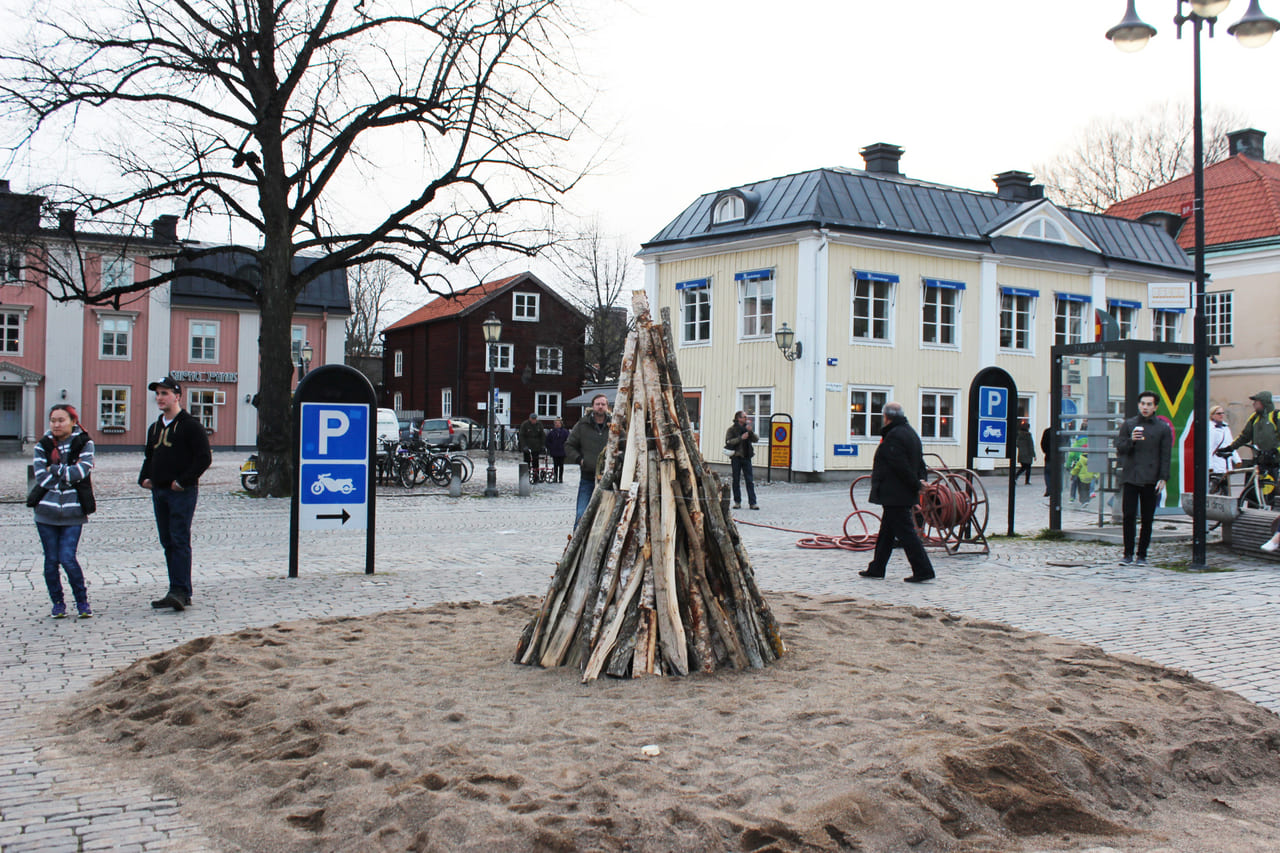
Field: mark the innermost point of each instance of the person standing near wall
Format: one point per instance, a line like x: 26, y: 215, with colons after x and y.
x: 740, y: 439
x: 63, y: 460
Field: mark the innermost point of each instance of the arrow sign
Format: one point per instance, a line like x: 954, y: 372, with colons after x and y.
x: 989, y: 450
x: 344, y: 515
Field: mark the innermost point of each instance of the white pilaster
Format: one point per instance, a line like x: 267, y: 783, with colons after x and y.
x: 247, y: 384
x: 158, y: 325
x: 809, y: 399
x: 64, y: 348
x: 1097, y: 290
x: 651, y: 284
x: 988, y: 314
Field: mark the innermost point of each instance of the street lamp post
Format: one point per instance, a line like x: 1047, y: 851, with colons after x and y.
x: 492, y: 334
x: 304, y: 359
x: 1131, y: 34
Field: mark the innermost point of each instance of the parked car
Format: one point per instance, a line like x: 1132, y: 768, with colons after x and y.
x: 469, y: 433
x: 439, y: 432
x: 388, y: 428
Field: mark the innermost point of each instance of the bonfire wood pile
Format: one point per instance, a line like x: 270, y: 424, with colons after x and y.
x: 655, y: 579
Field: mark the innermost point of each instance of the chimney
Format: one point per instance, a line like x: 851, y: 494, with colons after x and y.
x: 67, y: 221
x: 19, y: 214
x: 1170, y: 222
x: 1016, y: 186
x: 164, y: 229
x: 1248, y: 142
x: 4, y: 186
x: 882, y: 158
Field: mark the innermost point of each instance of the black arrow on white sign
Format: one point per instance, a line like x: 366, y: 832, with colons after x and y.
x: 344, y: 516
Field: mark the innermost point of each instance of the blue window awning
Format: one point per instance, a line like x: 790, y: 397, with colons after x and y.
x: 693, y: 284
x: 1073, y: 297
x: 1172, y: 310
x: 1020, y: 291
x: 863, y: 275
x: 1123, y: 303
x: 753, y: 275
x: 944, y: 284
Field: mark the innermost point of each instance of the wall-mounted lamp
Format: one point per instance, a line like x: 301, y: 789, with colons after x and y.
x: 248, y: 397
x: 64, y: 393
x: 786, y: 338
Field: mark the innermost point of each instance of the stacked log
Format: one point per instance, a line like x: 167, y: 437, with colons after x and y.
x: 655, y: 579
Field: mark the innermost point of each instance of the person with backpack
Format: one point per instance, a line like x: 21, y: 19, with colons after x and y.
x: 62, y: 500
x: 1262, y: 432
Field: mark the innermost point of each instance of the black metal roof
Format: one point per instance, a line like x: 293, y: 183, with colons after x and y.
x: 896, y: 206
x: 326, y: 293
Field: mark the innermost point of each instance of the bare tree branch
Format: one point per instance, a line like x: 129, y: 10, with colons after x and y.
x: 599, y: 271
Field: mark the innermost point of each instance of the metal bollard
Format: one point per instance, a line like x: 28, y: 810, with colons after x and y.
x: 525, y: 488
x: 455, y: 482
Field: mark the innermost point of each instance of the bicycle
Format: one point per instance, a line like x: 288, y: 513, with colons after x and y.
x: 1259, y: 489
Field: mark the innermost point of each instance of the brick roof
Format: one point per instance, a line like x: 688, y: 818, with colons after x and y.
x: 1241, y: 202
x: 452, y: 306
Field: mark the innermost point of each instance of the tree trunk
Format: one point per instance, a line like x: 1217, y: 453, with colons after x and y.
x: 275, y: 380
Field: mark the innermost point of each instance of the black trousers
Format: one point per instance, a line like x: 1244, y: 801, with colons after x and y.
x: 557, y: 463
x: 1132, y: 497
x: 898, y: 528
x: 1024, y: 470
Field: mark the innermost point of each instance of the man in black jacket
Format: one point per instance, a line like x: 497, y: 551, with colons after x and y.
x: 1143, y: 447
x: 897, y: 476
x: 176, y: 454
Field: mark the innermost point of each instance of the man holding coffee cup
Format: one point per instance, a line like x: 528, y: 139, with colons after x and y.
x: 1143, y: 447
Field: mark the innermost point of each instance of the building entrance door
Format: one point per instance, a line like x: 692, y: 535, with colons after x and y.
x: 10, y: 413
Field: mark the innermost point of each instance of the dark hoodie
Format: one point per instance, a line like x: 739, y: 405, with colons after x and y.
x: 1262, y: 429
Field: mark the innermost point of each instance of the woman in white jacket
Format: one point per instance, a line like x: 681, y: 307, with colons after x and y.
x: 1220, y: 436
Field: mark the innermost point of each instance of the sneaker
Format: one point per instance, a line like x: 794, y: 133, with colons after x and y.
x: 737, y: 506
x: 1141, y: 561
x: 82, y: 608
x: 755, y: 506
x: 1270, y: 545
x: 59, y: 611
x: 1126, y: 561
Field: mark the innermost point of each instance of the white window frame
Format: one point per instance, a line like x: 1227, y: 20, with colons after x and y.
x: 1071, y: 306
x: 694, y: 303
x: 549, y: 360
x: 757, y: 291
x: 943, y: 295
x: 1126, y: 317
x: 1015, y: 310
x: 547, y: 404
x: 872, y: 413
x: 115, y: 271
x: 446, y: 402
x: 110, y: 319
x: 526, y: 307
x: 1027, y: 403
x: 760, y: 424
x: 200, y: 399
x: 297, y: 340
x: 397, y: 363
x: 1043, y: 228
x: 397, y: 401
x: 11, y: 263
x: 503, y: 355
x: 1219, y: 318
x: 1163, y: 331
x: 13, y: 317
x: 730, y: 208
x: 191, y: 339
x: 937, y: 394
x: 121, y: 407
x: 874, y: 297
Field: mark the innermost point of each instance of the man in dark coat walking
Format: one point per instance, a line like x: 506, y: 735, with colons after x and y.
x: 897, y: 476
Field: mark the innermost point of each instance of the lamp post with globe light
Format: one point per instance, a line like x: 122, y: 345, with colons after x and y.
x: 492, y: 334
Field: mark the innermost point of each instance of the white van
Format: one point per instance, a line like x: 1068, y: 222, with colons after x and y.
x: 388, y: 426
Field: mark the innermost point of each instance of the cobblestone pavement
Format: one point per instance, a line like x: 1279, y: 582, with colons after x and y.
x: 1223, y: 627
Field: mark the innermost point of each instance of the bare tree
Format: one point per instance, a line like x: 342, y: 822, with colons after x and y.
x: 269, y: 115
x: 599, y: 272
x: 1116, y: 158
x: 372, y: 288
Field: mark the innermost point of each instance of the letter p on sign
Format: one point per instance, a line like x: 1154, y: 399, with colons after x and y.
x: 333, y: 424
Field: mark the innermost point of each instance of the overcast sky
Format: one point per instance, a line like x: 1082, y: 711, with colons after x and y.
x: 707, y: 94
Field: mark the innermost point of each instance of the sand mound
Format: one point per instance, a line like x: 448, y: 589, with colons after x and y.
x: 884, y: 728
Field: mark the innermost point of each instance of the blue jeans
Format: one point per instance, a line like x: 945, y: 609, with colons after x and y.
x: 173, y: 522
x: 742, y: 468
x: 60, y: 545
x: 586, y: 486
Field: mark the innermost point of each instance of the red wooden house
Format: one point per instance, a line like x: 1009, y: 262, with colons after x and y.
x: 434, y: 358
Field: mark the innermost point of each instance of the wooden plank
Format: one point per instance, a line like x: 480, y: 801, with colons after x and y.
x: 670, y: 628
x: 570, y: 615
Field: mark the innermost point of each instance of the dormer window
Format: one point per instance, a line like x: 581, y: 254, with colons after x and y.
x: 729, y: 209
x: 1042, y: 228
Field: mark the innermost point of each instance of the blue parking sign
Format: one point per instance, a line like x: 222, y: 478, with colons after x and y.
x: 335, y: 431
x: 993, y: 403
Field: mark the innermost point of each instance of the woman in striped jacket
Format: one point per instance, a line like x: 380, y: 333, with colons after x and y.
x: 63, y: 458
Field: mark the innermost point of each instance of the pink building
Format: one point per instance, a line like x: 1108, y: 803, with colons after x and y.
x: 100, y: 358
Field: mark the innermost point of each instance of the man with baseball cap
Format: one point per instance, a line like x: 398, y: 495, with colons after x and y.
x: 176, y: 454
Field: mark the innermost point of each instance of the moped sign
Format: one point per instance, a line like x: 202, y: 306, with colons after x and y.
x: 334, y: 422
x: 333, y: 466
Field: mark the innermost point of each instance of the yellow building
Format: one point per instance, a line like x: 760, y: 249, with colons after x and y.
x: 896, y: 289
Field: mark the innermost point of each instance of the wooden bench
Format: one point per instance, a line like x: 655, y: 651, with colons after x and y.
x: 1250, y: 529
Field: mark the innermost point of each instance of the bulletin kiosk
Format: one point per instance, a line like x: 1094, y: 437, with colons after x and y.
x: 1094, y: 388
